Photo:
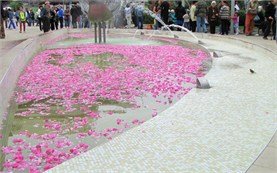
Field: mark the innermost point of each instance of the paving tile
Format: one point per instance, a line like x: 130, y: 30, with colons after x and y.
x: 268, y: 158
x: 259, y: 169
x: 273, y: 142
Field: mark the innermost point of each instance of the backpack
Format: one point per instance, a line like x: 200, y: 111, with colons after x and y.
x: 22, y: 16
x: 139, y: 12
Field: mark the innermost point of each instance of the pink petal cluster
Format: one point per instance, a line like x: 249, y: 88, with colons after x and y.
x: 140, y: 70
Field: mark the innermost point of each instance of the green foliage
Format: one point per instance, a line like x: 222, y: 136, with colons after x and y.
x: 15, y: 4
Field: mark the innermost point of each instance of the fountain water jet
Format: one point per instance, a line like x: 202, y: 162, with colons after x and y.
x: 183, y: 28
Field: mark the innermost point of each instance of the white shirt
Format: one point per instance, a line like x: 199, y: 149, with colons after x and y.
x: 128, y: 11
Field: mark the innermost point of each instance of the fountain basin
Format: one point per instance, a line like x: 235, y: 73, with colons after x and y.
x: 71, y: 98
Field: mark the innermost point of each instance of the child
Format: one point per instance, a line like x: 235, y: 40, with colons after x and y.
x: 186, y: 20
x: 22, y: 19
x: 235, y: 19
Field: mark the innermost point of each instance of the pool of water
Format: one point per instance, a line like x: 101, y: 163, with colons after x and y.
x: 77, y: 95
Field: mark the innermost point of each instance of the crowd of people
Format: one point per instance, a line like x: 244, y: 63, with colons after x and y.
x: 47, y: 17
x: 198, y: 16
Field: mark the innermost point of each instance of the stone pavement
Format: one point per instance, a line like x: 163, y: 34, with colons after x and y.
x: 13, y: 38
x: 267, y: 161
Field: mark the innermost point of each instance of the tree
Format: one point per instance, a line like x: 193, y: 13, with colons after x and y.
x: 15, y: 4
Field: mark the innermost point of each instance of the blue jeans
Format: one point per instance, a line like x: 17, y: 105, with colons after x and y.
x: 140, y: 22
x: 186, y: 25
x: 67, y: 22
x: 180, y: 22
x: 11, y: 23
x: 201, y: 23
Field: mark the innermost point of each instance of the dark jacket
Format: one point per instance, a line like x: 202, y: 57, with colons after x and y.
x: 79, y: 10
x: 180, y: 11
x: 53, y: 16
x: 270, y: 11
x: 32, y: 15
x: 74, y: 13
x: 201, y: 9
x: 2, y: 11
x: 164, y: 8
x: 261, y: 16
x: 11, y: 14
x: 213, y: 13
x: 44, y: 13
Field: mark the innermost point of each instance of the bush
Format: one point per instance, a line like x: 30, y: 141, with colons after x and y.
x: 15, y: 5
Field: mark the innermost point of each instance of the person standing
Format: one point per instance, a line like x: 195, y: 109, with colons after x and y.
x: 128, y: 15
x: 212, y: 16
x: 180, y: 11
x: 270, y: 19
x: 2, y: 27
x: 192, y: 16
x: 134, y: 17
x: 86, y: 21
x: 251, y: 12
x: 157, y: 11
x: 32, y: 17
x: 16, y: 17
x: 224, y: 16
x: 22, y: 20
x: 56, y: 10
x: 139, y: 14
x: 6, y: 17
x: 165, y: 11
x: 45, y: 16
x: 235, y: 19
x: 61, y: 16
x: 186, y: 20
x: 38, y: 14
x: 74, y: 13
x: 237, y: 8
x: 52, y: 18
x: 67, y: 17
x: 261, y: 19
x: 28, y: 17
x: 201, y: 12
x: 11, y: 18
x: 80, y: 14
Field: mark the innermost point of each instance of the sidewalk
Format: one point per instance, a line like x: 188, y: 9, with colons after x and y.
x: 270, y: 44
x: 13, y: 38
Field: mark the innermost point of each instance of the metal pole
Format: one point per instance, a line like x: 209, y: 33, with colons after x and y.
x: 104, y: 31
x: 95, y: 32
x: 99, y: 32
x: 232, y: 15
